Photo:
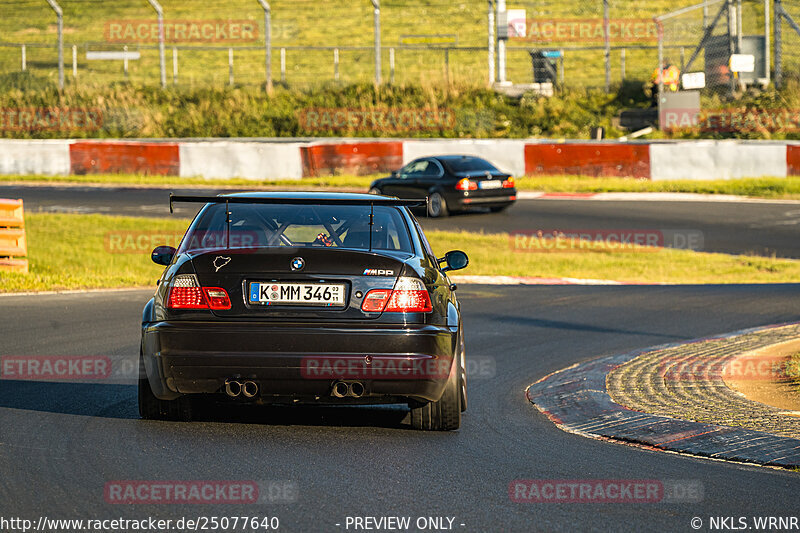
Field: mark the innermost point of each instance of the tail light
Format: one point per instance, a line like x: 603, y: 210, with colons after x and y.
x: 186, y: 293
x: 466, y: 185
x: 217, y: 298
x: 509, y: 183
x: 408, y: 296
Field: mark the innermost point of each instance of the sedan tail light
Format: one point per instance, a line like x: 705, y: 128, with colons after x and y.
x: 466, y: 185
x: 408, y: 296
x: 509, y: 183
x: 186, y: 293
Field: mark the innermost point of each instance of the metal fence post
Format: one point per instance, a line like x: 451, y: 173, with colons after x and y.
x: 660, y: 30
x: 501, y: 45
x: 777, y: 16
x: 24, y: 60
x: 607, y: 38
x: 161, y: 54
x: 377, y: 16
x: 767, y: 59
x: 622, y: 63
x: 739, y: 27
x: 283, y: 65
x: 74, y: 61
x: 125, y: 60
x: 60, y: 17
x: 230, y: 67
x: 336, y: 64
x: 267, y: 42
x: 732, y: 32
x: 391, y: 65
x: 174, y: 65
x: 491, y: 42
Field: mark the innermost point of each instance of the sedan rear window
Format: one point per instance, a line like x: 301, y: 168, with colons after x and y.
x: 268, y: 226
x: 466, y: 164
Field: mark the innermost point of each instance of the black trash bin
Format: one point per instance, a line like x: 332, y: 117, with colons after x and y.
x: 545, y: 68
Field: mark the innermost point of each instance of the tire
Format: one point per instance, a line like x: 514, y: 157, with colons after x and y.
x: 444, y: 415
x: 151, y: 408
x: 463, y: 362
x: 437, y: 206
x: 375, y: 190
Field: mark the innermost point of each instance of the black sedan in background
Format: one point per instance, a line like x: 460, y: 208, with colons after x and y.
x: 304, y: 298
x: 451, y: 183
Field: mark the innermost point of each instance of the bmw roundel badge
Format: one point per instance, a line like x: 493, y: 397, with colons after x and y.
x: 298, y: 263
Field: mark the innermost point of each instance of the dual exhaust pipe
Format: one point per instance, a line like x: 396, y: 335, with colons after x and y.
x: 342, y: 389
x: 248, y: 389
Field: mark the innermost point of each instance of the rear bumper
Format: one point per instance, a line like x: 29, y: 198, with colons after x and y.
x: 496, y: 198
x: 298, y: 361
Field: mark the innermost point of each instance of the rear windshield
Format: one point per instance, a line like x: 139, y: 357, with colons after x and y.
x: 467, y: 164
x: 270, y: 226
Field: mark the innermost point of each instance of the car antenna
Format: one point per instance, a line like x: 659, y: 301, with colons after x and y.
x: 371, y: 215
x: 228, y: 223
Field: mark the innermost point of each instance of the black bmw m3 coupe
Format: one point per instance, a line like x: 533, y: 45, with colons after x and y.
x: 288, y: 298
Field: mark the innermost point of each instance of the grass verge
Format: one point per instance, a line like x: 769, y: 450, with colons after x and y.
x: 776, y: 188
x: 80, y: 252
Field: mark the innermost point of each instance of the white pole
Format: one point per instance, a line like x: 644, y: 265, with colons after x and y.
x: 174, y: 65
x: 492, y: 75
x: 267, y: 42
x: 336, y: 64
x: 377, y: 22
x: 607, y: 39
x: 767, y: 57
x: 283, y: 65
x: 24, y: 60
x: 60, y: 19
x: 501, y: 44
x: 74, y: 61
x: 161, y: 53
x: 391, y: 65
x: 230, y: 67
x: 125, y: 60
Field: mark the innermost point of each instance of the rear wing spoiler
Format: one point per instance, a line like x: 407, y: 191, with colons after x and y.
x: 294, y: 201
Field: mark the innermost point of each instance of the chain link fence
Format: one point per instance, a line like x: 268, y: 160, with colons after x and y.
x: 214, y: 43
x: 724, y: 45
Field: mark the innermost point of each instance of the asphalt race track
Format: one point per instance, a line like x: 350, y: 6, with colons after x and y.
x: 737, y: 228
x: 60, y: 443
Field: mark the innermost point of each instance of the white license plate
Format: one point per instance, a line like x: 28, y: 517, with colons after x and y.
x: 490, y: 184
x: 325, y: 294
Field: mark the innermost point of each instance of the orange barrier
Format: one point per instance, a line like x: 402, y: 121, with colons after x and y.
x: 13, y: 245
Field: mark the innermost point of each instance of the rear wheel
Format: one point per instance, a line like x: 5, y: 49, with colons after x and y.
x: 437, y: 206
x: 151, y: 408
x: 444, y: 415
